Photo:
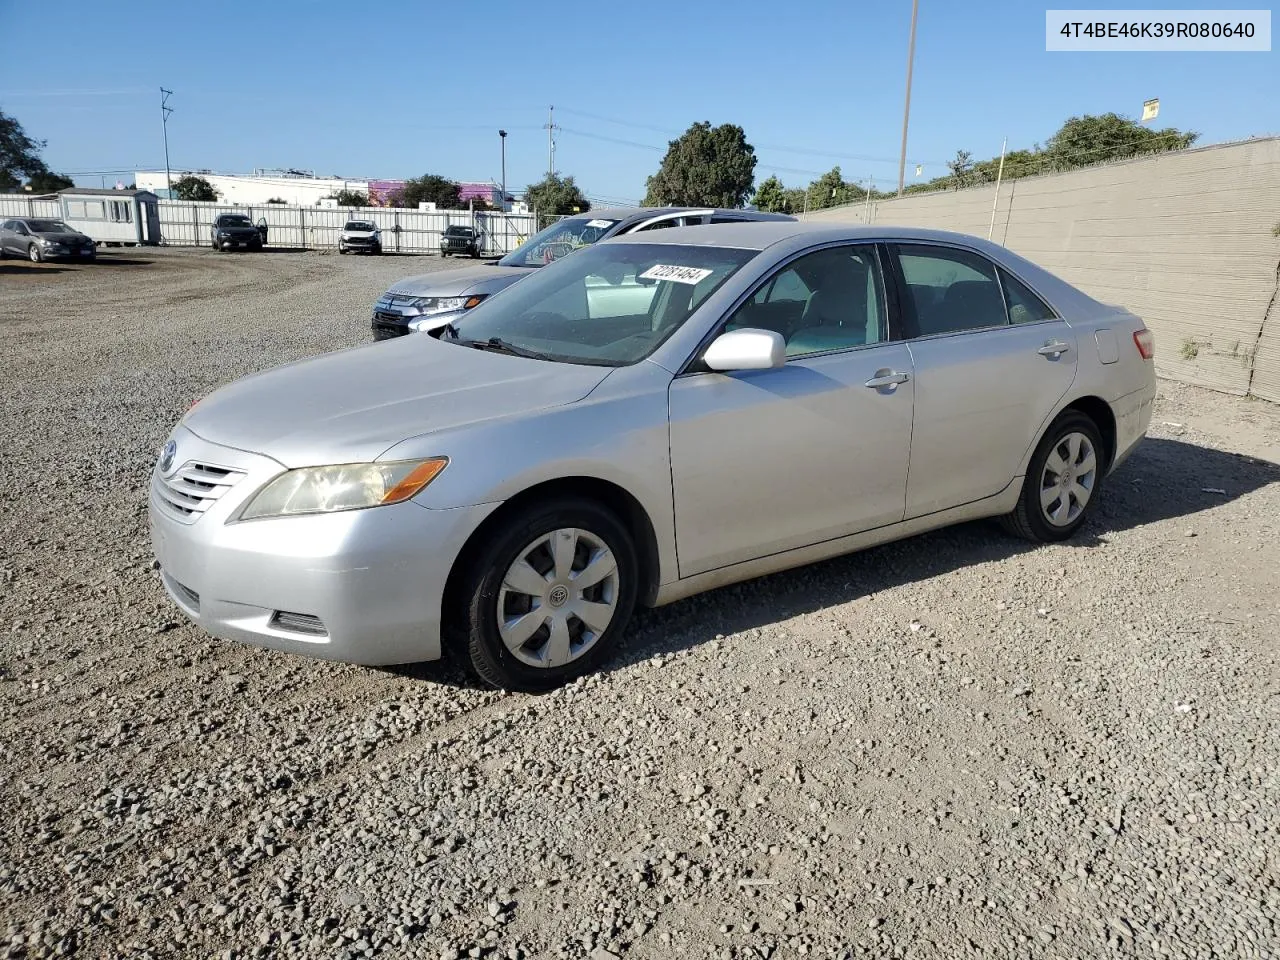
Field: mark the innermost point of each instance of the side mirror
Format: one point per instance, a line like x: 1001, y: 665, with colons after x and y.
x: 746, y: 349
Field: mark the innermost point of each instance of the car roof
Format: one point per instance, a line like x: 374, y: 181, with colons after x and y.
x: 762, y: 234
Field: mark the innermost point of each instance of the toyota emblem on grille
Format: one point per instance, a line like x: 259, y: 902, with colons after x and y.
x: 166, y: 456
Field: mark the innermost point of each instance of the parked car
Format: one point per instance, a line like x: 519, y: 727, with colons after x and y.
x: 360, y: 236
x: 37, y: 238
x: 458, y: 240
x: 424, y: 303
x: 231, y: 231
x: 517, y: 483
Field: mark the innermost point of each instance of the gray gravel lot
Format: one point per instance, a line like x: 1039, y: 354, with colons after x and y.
x: 955, y: 746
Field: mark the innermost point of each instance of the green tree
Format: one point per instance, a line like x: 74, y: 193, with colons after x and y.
x: 191, y: 187
x: 555, y: 196
x: 349, y: 198
x: 276, y: 200
x: 771, y: 196
x: 19, y: 154
x: 46, y: 181
x: 795, y: 199
x: 1093, y: 139
x: 429, y: 188
x: 705, y: 166
x: 831, y: 190
x: 961, y: 169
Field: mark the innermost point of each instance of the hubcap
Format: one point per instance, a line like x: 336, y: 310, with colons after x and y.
x: 1070, y: 473
x: 558, y: 598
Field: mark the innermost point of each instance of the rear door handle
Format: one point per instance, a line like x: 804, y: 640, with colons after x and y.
x: 887, y: 378
x: 1053, y: 348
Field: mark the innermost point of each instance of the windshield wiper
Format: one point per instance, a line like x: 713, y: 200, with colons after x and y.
x: 498, y: 345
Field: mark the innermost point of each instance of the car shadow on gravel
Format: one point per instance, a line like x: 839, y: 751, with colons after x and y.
x: 1163, y: 480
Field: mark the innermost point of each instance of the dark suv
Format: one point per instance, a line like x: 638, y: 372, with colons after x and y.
x: 460, y: 240
x: 232, y: 230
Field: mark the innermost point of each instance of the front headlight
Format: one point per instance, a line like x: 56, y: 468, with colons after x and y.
x: 346, y: 486
x: 432, y: 305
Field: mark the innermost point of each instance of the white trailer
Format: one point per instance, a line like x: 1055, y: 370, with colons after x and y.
x: 128, y: 217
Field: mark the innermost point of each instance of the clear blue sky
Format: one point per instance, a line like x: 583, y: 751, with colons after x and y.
x: 370, y: 90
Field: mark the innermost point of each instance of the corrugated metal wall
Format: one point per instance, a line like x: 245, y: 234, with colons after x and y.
x: 1182, y: 239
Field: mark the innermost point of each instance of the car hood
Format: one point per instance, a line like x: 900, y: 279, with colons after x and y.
x: 358, y: 233
x: 351, y: 406
x: 237, y: 228
x: 61, y: 236
x: 457, y: 283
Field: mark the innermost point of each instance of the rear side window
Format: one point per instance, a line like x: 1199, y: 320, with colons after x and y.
x: 950, y: 290
x: 1024, y: 306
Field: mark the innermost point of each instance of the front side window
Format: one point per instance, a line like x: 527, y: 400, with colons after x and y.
x: 558, y: 240
x: 611, y: 304
x: 830, y: 299
x: 950, y: 290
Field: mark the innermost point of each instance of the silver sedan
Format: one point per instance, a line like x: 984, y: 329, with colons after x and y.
x: 656, y: 416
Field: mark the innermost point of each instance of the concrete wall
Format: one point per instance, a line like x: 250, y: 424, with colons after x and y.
x: 1182, y: 239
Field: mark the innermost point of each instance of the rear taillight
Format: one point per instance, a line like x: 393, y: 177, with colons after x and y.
x: 1145, y: 341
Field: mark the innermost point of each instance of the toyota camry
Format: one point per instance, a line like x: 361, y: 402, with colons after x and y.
x: 658, y: 415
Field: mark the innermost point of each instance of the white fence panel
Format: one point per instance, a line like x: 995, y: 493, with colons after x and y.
x: 18, y: 205
x: 187, y: 223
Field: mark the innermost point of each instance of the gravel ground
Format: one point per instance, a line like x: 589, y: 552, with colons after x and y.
x: 955, y: 746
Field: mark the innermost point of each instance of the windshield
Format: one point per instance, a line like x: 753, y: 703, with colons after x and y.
x: 612, y: 304
x: 47, y: 226
x: 457, y: 231
x: 563, y: 236
x: 236, y: 220
x: 359, y: 225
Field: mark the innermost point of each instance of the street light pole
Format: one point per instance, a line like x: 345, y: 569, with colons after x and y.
x: 906, y: 109
x: 503, y: 135
x: 165, y: 110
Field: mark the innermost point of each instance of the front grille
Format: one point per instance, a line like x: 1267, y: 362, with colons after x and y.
x: 388, y: 325
x: 194, y: 488
x: 183, y: 592
x: 299, y: 623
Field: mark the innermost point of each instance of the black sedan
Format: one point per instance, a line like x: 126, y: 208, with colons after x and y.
x: 234, y: 230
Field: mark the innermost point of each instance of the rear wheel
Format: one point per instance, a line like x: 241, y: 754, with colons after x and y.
x: 549, y: 596
x: 34, y: 253
x: 1063, y: 481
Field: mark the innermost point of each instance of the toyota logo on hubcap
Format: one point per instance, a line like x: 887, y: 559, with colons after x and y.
x: 558, y: 595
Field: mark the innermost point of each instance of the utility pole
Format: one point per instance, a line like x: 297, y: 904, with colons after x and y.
x: 906, y: 109
x: 165, y: 110
x: 551, y: 143
x: 503, y: 135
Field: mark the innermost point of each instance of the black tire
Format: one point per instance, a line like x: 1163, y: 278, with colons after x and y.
x: 341, y: 250
x: 34, y: 254
x: 1027, y: 520
x: 477, y: 632
x: 377, y: 250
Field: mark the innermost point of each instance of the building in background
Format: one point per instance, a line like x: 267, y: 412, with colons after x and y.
x: 303, y: 188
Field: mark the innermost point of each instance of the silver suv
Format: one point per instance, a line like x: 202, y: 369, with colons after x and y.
x: 428, y: 302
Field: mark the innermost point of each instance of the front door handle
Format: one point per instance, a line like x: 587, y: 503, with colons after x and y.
x: 887, y: 378
x: 1054, y: 348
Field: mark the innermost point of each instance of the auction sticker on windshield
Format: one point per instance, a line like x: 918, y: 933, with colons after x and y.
x: 663, y: 271
x: 600, y: 224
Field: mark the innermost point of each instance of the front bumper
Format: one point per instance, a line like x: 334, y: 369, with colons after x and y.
x: 361, y: 586
x: 359, y: 243
x: 66, y: 253
x: 387, y: 324
x: 240, y: 241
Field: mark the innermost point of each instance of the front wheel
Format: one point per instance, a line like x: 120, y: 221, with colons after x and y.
x: 34, y: 253
x: 1063, y: 481
x: 549, y: 596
